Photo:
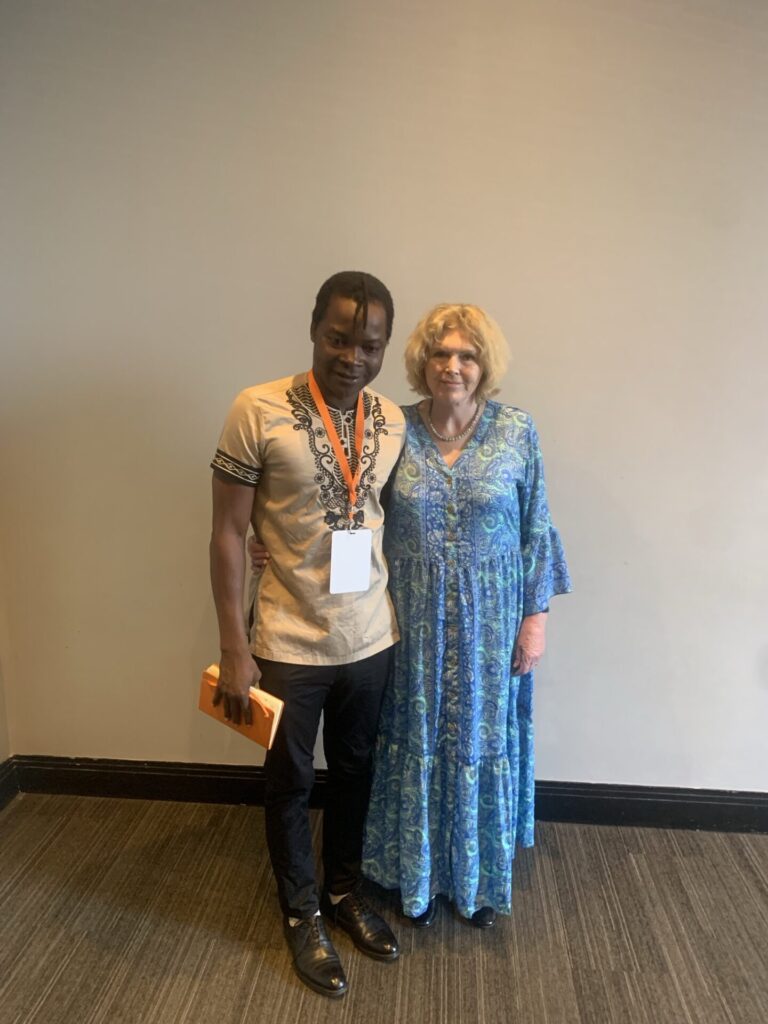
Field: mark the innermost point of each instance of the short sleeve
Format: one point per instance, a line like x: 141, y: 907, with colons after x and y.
x: 545, y: 571
x: 238, y: 454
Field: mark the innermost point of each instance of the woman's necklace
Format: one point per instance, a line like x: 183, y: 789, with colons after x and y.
x: 452, y: 437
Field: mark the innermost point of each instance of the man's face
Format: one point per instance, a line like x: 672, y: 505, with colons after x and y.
x: 347, y: 355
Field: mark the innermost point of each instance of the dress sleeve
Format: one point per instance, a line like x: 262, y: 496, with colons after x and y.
x: 545, y: 572
x: 239, y: 452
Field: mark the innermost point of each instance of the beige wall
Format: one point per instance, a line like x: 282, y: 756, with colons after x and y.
x: 5, y: 647
x: 177, y: 180
x: 5, y: 747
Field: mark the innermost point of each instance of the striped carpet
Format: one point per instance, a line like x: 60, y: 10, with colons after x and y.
x: 138, y: 912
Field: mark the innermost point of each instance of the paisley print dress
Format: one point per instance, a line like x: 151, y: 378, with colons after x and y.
x: 471, y: 550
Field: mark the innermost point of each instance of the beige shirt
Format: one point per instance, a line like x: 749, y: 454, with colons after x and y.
x: 274, y: 440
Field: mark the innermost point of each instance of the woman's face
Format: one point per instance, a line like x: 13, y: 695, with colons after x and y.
x: 452, y: 371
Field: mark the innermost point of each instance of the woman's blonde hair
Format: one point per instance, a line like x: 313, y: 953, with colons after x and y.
x: 476, y: 327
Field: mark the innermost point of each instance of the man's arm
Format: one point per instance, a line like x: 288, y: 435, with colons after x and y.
x: 232, y: 506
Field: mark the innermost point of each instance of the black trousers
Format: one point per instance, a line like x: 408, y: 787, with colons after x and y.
x: 350, y: 697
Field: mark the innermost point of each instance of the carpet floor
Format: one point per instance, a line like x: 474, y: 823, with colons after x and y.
x: 139, y: 912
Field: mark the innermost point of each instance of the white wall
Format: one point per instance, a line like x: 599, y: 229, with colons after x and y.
x: 178, y: 179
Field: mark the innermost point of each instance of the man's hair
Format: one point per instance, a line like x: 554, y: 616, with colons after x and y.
x: 363, y: 288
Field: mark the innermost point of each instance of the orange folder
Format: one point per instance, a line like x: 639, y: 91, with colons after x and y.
x: 265, y: 710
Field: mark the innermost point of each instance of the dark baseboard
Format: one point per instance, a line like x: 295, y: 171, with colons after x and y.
x: 9, y: 785
x: 716, y: 810
x: 586, y: 803
x: 147, y: 780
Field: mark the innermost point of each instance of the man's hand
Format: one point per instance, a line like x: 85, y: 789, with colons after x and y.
x: 232, y: 510
x: 258, y: 554
x: 238, y: 672
x: 530, y: 643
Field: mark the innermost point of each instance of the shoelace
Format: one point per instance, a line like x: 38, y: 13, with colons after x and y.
x: 316, y: 932
x: 356, y: 904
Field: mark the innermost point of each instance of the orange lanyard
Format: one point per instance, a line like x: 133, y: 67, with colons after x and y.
x: 350, y: 480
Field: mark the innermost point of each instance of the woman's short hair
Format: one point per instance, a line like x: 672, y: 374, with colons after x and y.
x: 476, y: 327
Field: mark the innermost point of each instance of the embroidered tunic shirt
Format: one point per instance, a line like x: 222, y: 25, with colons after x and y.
x: 274, y: 440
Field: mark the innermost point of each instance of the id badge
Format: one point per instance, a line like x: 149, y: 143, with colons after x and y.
x: 350, y: 561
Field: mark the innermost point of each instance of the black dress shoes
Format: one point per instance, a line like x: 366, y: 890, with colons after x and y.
x: 485, y: 917
x: 314, y: 959
x: 426, y: 919
x: 369, y: 932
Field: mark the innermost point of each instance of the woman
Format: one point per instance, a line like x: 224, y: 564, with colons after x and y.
x: 473, y: 561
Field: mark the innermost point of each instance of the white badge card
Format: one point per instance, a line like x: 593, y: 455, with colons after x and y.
x: 350, y: 561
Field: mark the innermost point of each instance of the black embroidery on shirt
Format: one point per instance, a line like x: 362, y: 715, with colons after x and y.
x: 242, y: 472
x: 333, y: 490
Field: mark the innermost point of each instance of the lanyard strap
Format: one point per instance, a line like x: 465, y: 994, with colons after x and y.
x: 350, y: 480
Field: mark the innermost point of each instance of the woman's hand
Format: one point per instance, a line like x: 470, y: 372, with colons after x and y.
x: 530, y: 644
x: 258, y: 554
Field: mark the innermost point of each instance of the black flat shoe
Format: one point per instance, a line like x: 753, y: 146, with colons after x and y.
x: 369, y: 932
x: 314, y: 959
x: 485, y: 917
x: 427, y: 919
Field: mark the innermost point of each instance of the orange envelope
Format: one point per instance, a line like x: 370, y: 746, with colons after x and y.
x: 265, y: 710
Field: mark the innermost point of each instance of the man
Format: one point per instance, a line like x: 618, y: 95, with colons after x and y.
x: 304, y: 459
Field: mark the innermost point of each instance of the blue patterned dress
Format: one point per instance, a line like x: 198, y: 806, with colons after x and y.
x: 471, y: 550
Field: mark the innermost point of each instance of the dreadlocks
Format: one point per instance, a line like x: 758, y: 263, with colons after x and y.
x: 363, y: 288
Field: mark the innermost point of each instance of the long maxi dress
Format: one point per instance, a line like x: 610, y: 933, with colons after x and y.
x: 471, y: 550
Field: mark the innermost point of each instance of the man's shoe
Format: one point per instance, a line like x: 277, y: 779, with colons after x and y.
x: 369, y: 932
x: 427, y: 919
x: 485, y: 917
x: 314, y: 959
